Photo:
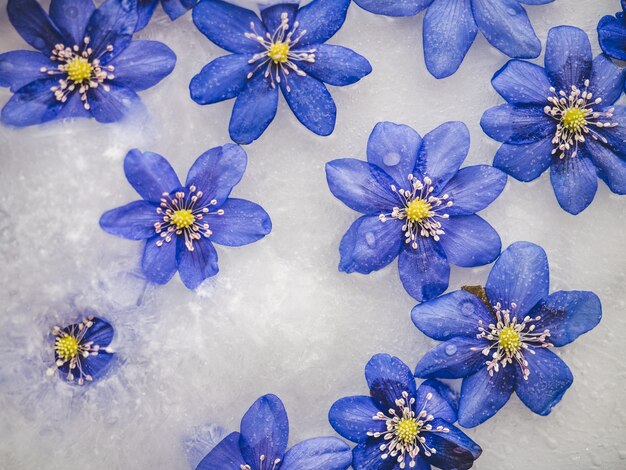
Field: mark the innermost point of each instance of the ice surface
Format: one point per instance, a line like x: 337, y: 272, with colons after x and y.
x: 279, y: 317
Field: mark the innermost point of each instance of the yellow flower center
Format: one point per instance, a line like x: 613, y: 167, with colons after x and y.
x: 407, y: 430
x: 183, y: 218
x: 509, y: 340
x: 417, y: 210
x: 574, y: 119
x: 78, y: 69
x: 66, y: 348
x: 279, y: 52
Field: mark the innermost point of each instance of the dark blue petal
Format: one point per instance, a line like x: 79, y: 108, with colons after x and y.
x: 321, y: 19
x: 548, y: 381
x: 424, y: 271
x: 97, y: 366
x: 225, y: 455
x: 615, y: 136
x: 159, y: 262
x: 575, y: 182
x: 612, y: 36
x: 221, y: 79
x: 514, y: 124
x: 352, y: 418
x: 520, y: 82
x: 32, y: 104
x: 145, y: 9
x: 143, y: 64
x: 226, y: 25
x: 367, y: 456
x: 370, y: 244
x: 361, y: 186
x: 134, y: 221
x: 568, y: 57
x: 506, y: 26
x: 71, y: 18
x: 388, y: 378
x: 567, y: 315
x: 482, y: 395
x: 327, y: 453
x: 607, y: 80
x: 100, y: 332
x: 394, y: 148
x: 442, y: 403
x: 115, y: 104
x: 73, y: 108
x: 197, y: 265
x: 454, y: 448
x: 19, y: 68
x: 336, y: 65
x: 271, y: 15
x: 32, y: 23
x: 521, y: 275
x: 243, y: 222
x: 525, y: 162
x: 470, y: 241
x: 264, y: 430
x: 473, y: 188
x: 254, y: 109
x: 610, y: 167
x: 150, y: 174
x: 176, y: 8
x: 451, y: 315
x: 449, y: 31
x: 394, y: 7
x: 113, y: 24
x: 454, y: 359
x: 311, y: 102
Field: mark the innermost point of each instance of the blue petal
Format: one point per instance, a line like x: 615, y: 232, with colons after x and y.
x: 113, y: 24
x: 454, y: 359
x: 567, y: 315
x: 449, y: 31
x: 19, y: 68
x: 254, y: 109
x: 370, y: 244
x: 243, y: 222
x: 311, y: 102
x: 454, y: 448
x: 221, y: 79
x: 367, y: 456
x: 513, y: 124
x: 568, y: 57
x: 482, y: 395
x: 145, y: 9
x: 388, y: 378
x: 32, y: 23
x: 361, y: 186
x: 394, y: 148
x: 607, y: 80
x: 159, y: 262
x: 451, y: 315
x: 115, y: 104
x: 506, y: 26
x: 134, y: 221
x: 150, y: 174
x: 100, y: 332
x: 272, y: 15
x: 424, y: 271
x: 615, y: 136
x: 470, y: 241
x: 264, y: 430
x: 32, y: 104
x: 575, y: 182
x: 520, y: 82
x: 473, y: 188
x: 321, y: 19
x: 327, y: 453
x: 71, y: 18
x: 197, y: 265
x: 610, y: 167
x: 394, y: 7
x: 525, y: 162
x: 352, y: 418
x: 176, y: 8
x: 612, y: 36
x: 143, y: 64
x: 97, y: 366
x: 74, y: 108
x: 442, y: 403
x: 226, y: 25
x: 336, y: 65
x: 548, y: 381
x: 225, y: 455
x: 521, y: 275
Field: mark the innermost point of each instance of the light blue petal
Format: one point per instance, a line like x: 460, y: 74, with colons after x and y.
x: 243, y: 222
x: 225, y: 455
x: 568, y: 57
x: 424, y: 271
x: 321, y: 19
x: 221, y: 79
x: 520, y: 82
x: 353, y: 418
x: 311, y: 102
x: 454, y: 359
x: 134, y: 221
x: 336, y: 65
x: 319, y: 453
x: 525, y: 162
x: 575, y: 182
x: 483, y: 395
x: 143, y: 64
x: 150, y: 174
x: 19, y: 68
x: 473, y: 188
x: 517, y: 125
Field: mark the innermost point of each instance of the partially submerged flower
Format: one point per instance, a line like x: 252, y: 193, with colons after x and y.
x: 87, y: 64
x: 562, y: 117
x: 180, y: 223
x: 612, y: 34
x: 401, y: 426
x: 500, y: 341
x: 173, y: 8
x: 417, y: 205
x: 284, y: 49
x: 261, y: 444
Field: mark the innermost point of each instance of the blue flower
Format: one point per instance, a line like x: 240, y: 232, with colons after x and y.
x: 612, y: 34
x: 562, y: 117
x: 87, y: 64
x: 401, y: 426
x: 450, y: 27
x: 262, y: 442
x: 498, y: 338
x: 173, y: 8
x: 81, y: 350
x: 284, y: 49
x: 181, y: 223
x: 418, y: 205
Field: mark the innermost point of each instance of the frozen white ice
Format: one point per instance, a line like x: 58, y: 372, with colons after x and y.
x: 279, y: 317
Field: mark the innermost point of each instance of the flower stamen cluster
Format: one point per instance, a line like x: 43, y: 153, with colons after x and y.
x: 262, y: 462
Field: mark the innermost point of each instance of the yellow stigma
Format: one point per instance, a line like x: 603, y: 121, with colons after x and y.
x: 509, y: 340
x: 78, y: 69
x: 574, y: 119
x: 407, y: 429
x: 183, y: 218
x: 417, y: 210
x: 66, y: 348
x: 278, y: 52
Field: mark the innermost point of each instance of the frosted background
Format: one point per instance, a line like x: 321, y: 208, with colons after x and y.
x: 279, y: 317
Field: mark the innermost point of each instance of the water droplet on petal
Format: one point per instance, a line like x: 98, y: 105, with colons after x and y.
x: 391, y: 159
x: 450, y: 349
x: 511, y: 11
x: 71, y: 12
x: 370, y: 239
